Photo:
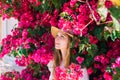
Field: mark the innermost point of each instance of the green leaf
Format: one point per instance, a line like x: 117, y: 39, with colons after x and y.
x: 112, y: 60
x: 8, y: 1
x: 88, y: 61
x: 108, y: 69
x: 103, y: 47
x: 102, y: 10
x: 81, y: 47
x: 115, y: 11
x: 94, y: 47
x: 84, y: 40
x: 113, y: 35
x: 58, y: 3
x: 45, y: 6
x: 73, y: 44
x: 14, y: 53
x: 68, y: 71
x: 66, y: 16
x: 116, y: 24
x: 32, y: 32
x: 37, y: 31
x: 32, y: 47
x: 118, y: 70
x: 22, y: 51
x: 106, y: 34
x: 92, y: 50
x: 41, y: 31
x: 63, y: 14
x: 116, y: 77
x: 9, y: 10
x: 118, y: 34
x: 98, y: 31
x: 1, y: 47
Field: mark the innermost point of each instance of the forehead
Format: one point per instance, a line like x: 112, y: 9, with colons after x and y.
x: 62, y: 33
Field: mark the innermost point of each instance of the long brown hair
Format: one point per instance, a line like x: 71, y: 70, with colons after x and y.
x: 58, y: 56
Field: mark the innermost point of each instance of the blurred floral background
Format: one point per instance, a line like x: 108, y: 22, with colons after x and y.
x: 96, y: 24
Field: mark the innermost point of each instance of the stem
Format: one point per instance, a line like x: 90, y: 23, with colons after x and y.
x: 91, y: 11
x: 106, y: 22
x: 85, y: 26
x: 81, y: 1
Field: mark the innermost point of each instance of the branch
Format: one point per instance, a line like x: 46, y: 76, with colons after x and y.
x: 91, y: 11
x: 106, y: 22
x: 85, y: 27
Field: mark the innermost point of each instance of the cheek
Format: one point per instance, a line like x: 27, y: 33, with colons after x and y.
x: 64, y: 44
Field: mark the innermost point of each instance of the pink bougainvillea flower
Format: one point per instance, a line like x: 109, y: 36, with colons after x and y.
x: 98, y: 66
x: 80, y: 59
x: 23, y: 61
x: 108, y: 4
x: 93, y: 39
x: 90, y: 70
x: 118, y: 61
x: 108, y: 18
x: 114, y: 65
x: 107, y: 76
x: 73, y: 2
x: 24, y: 34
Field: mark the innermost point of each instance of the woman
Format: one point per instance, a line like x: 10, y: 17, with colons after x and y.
x: 62, y: 55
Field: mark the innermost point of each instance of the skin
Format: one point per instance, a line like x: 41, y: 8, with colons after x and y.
x: 61, y: 43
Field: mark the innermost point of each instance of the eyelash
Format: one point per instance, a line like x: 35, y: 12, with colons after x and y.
x: 61, y: 36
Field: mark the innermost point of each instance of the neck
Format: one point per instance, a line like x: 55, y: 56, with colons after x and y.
x: 63, y: 52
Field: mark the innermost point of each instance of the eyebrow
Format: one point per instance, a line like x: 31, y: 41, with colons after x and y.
x: 63, y: 34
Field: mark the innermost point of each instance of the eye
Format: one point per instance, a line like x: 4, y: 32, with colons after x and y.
x: 62, y: 36
x: 56, y: 35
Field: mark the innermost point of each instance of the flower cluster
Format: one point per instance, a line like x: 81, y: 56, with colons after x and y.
x: 77, y: 19
x: 10, y: 76
x: 117, y: 63
x: 115, y: 59
x: 42, y: 56
x: 27, y: 74
x: 72, y: 72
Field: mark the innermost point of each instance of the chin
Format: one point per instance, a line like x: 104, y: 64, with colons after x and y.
x: 57, y: 48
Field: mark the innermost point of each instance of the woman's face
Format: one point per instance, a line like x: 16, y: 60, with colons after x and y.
x: 61, y: 40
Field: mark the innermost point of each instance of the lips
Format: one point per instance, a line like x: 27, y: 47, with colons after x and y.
x: 57, y: 43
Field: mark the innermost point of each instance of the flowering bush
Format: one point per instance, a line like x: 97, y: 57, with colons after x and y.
x: 34, y: 71
x: 96, y: 24
x: 72, y: 72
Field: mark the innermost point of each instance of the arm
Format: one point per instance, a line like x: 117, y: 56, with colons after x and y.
x: 85, y: 75
x: 50, y: 67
